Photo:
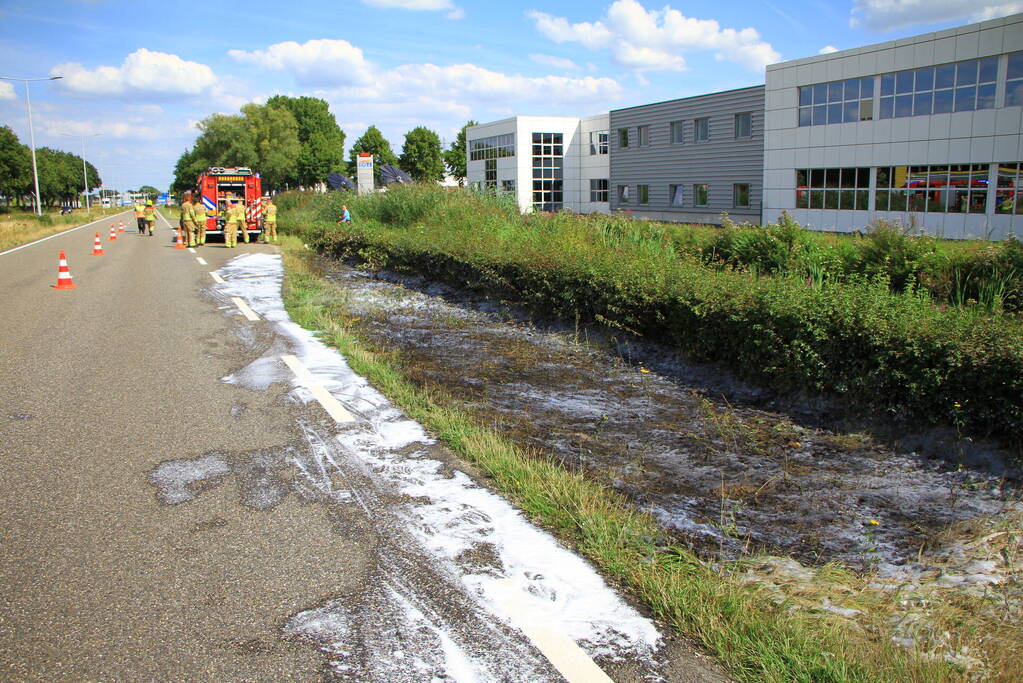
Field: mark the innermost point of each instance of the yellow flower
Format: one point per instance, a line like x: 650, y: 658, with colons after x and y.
x: 644, y: 370
x: 957, y: 404
x: 875, y: 522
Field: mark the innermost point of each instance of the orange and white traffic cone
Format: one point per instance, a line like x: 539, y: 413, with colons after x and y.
x: 113, y: 233
x: 180, y: 244
x: 64, y: 280
x: 120, y: 227
x: 97, y: 247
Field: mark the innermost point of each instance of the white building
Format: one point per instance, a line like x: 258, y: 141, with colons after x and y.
x: 551, y: 163
x: 922, y: 130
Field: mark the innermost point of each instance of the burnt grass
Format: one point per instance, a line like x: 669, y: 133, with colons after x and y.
x: 729, y: 468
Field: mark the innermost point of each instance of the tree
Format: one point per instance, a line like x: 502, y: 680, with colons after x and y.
x: 15, y: 165
x: 455, y: 157
x: 373, y: 142
x: 60, y: 176
x: 321, y: 140
x: 421, y: 155
x: 149, y: 191
x: 275, y: 135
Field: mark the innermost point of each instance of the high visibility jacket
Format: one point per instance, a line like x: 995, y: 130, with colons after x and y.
x: 150, y: 214
x: 270, y: 213
x: 139, y: 211
x: 235, y: 214
x: 199, y: 211
x: 187, y: 213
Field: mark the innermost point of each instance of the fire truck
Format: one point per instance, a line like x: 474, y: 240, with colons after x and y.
x: 218, y: 186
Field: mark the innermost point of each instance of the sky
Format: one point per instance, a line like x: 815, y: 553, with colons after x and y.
x: 138, y: 76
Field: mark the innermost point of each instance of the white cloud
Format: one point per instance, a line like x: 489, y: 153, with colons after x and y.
x: 7, y: 91
x: 315, y: 62
x: 827, y: 50
x: 656, y: 40
x: 556, y: 62
x: 456, y: 14
x: 430, y: 5
x: 886, y: 15
x: 104, y: 127
x: 141, y: 72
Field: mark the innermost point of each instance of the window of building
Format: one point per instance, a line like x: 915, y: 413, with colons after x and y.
x: 701, y: 195
x: 956, y: 188
x: 1014, y: 81
x: 740, y: 195
x: 623, y: 194
x: 598, y: 142
x: 962, y: 86
x: 676, y: 129
x: 837, y: 102
x: 1007, y: 196
x: 598, y: 189
x: 508, y: 186
x: 643, y: 194
x: 643, y: 136
x: 623, y: 137
x: 548, y: 166
x: 493, y: 147
x: 675, y: 192
x: 490, y: 173
x: 833, y: 188
x: 702, y: 130
x: 744, y: 125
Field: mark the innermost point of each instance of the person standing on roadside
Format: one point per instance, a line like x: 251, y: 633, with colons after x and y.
x: 140, y: 218
x: 149, y: 215
x: 269, y: 221
x: 187, y: 219
x: 199, y: 211
x: 345, y: 216
x: 235, y: 217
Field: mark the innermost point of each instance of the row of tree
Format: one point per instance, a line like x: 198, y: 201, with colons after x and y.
x: 60, y: 173
x: 296, y: 142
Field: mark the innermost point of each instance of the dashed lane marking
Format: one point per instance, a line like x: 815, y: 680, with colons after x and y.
x: 216, y: 278
x: 567, y: 657
x: 201, y: 260
x: 329, y: 403
x: 244, y: 308
x: 191, y: 250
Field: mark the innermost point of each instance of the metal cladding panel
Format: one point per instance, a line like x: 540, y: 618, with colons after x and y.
x: 720, y: 162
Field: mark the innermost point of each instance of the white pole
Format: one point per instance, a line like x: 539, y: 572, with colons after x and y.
x: 32, y: 140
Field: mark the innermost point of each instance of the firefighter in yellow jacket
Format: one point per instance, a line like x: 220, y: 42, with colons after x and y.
x: 187, y: 220
x: 149, y: 213
x: 201, y: 216
x: 269, y: 221
x: 140, y: 218
x: 235, y: 218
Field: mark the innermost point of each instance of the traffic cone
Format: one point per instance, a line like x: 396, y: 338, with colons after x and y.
x: 97, y: 247
x: 113, y: 233
x: 180, y: 244
x: 120, y: 227
x: 64, y: 280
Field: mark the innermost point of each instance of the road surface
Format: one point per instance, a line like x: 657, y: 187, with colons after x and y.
x: 194, y: 488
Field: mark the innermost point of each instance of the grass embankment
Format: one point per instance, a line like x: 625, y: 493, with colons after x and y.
x: 837, y: 331
x: 22, y: 227
x: 755, y: 637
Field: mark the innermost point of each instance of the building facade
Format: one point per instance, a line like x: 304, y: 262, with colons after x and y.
x: 690, y: 159
x: 923, y: 130
x: 550, y: 163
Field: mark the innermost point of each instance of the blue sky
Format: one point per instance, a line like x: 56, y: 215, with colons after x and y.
x: 142, y: 74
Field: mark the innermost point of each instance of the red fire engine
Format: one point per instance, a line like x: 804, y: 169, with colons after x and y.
x: 219, y: 186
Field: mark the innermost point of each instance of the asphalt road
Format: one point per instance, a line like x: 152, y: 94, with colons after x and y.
x: 106, y: 576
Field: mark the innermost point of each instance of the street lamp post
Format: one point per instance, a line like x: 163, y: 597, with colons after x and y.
x: 31, y: 135
x: 85, y: 172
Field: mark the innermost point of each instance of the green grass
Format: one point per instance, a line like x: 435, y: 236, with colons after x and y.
x: 22, y: 227
x: 753, y: 637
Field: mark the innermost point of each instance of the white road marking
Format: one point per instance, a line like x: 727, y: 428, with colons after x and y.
x: 244, y: 308
x: 98, y: 220
x: 191, y: 250
x: 329, y: 403
x: 216, y: 278
x: 567, y: 657
x: 201, y: 260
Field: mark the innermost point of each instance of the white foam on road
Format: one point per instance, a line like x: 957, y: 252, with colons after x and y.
x: 449, y: 514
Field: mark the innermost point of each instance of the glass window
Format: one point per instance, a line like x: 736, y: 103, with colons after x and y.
x: 623, y: 137
x: 836, y: 102
x: 958, y: 188
x: 1007, y: 195
x: 701, y: 195
x: 943, y: 101
x: 677, y: 130
x: 805, y: 97
x: 702, y: 127
x: 1014, y: 81
x: 643, y: 136
x: 493, y: 147
x: 675, y: 192
x: 744, y: 125
x: 547, y: 171
x: 598, y: 189
x: 930, y: 90
x: 740, y: 195
x: 832, y: 188
x: 623, y: 194
x: 598, y: 142
x: 508, y: 186
x: 643, y: 194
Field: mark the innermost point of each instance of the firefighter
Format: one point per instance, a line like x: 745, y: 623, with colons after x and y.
x: 269, y: 221
x: 199, y: 211
x: 235, y: 217
x: 149, y: 216
x: 140, y: 218
x: 187, y: 220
